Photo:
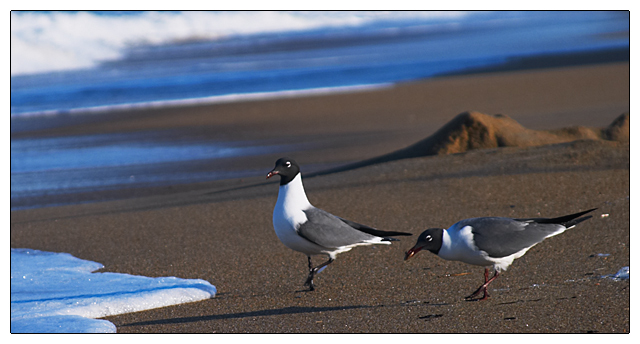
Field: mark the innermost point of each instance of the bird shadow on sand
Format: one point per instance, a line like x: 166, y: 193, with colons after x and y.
x: 265, y: 312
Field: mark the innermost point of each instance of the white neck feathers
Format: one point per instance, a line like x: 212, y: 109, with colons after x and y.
x: 292, y: 194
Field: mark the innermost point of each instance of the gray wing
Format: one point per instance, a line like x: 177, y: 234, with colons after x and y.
x: 327, y: 230
x: 501, y: 237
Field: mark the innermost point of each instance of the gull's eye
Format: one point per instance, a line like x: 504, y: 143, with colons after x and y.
x: 428, y: 238
x: 287, y: 164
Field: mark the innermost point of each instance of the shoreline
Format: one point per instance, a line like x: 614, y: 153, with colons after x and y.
x: 553, y: 60
x: 574, y: 59
x: 371, y: 289
x: 520, y: 63
x: 221, y: 231
x: 339, y: 129
x: 614, y: 77
x: 212, y: 100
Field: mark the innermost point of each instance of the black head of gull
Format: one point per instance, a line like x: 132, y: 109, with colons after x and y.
x: 492, y: 241
x: 430, y: 240
x: 304, y: 228
x: 286, y: 168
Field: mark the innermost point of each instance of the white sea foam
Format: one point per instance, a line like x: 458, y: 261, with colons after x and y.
x: 55, y: 41
x: 56, y: 292
x: 622, y: 274
x: 227, y: 98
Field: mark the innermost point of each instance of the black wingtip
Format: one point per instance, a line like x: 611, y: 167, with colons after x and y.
x: 570, y: 224
x: 569, y: 220
x: 388, y: 234
x: 373, y: 231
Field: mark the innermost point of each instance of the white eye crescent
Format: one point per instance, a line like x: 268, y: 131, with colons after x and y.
x: 287, y: 164
x: 428, y: 237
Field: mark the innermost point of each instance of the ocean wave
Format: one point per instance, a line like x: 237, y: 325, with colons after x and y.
x: 49, y: 41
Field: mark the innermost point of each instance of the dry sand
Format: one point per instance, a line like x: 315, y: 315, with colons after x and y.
x: 222, y: 232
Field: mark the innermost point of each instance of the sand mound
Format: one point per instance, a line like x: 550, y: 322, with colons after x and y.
x: 618, y: 130
x: 475, y: 130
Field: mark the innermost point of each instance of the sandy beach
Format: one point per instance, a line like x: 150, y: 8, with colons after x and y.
x: 221, y: 231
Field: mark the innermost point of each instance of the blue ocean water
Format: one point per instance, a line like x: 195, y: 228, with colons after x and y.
x: 190, y: 55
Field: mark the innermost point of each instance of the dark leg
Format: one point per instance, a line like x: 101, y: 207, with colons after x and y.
x: 483, y: 288
x: 313, y: 271
x: 309, y: 281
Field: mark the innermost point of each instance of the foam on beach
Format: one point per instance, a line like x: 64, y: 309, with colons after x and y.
x: 621, y: 275
x: 220, y: 99
x: 58, y: 293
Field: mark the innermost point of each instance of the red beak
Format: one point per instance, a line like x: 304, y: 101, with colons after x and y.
x: 271, y: 174
x: 411, y: 252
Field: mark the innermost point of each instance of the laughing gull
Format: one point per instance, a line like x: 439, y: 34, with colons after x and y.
x: 496, y: 241
x: 304, y: 228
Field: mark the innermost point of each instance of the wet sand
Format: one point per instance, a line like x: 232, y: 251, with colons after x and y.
x: 221, y: 231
